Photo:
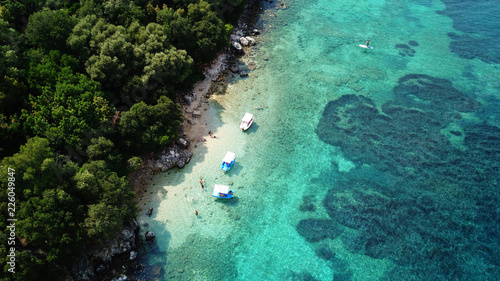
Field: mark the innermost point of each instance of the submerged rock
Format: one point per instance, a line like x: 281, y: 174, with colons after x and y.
x: 150, y: 236
x: 314, y: 230
x: 324, y: 252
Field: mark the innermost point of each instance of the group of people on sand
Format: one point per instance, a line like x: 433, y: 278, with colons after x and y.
x: 211, y: 135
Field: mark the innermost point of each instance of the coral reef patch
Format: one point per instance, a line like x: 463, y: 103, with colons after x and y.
x: 314, y: 230
x: 405, y: 50
x: 413, y: 43
x: 308, y: 204
x: 433, y: 208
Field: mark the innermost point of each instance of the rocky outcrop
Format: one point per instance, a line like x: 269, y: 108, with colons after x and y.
x: 171, y: 157
x: 234, y: 38
x: 250, y: 40
x: 122, y: 244
x: 237, y: 47
x: 96, y: 261
x: 133, y: 255
x: 244, y: 41
x: 235, y: 68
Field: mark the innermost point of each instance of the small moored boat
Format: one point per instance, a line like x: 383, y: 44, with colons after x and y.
x: 222, y: 191
x: 246, y: 121
x: 228, y: 161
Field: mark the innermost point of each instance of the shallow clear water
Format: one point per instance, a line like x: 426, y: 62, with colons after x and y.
x: 362, y: 165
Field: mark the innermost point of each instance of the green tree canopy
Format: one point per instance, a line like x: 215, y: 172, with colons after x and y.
x: 60, y: 206
x: 169, y: 67
x: 12, y: 90
x: 164, y: 16
x: 196, y: 29
x: 49, y: 223
x: 109, y: 53
x: 181, y: 31
x: 49, y: 29
x: 100, y: 148
x: 89, y: 7
x: 69, y: 105
x: 45, y: 69
x: 48, y: 209
x: 123, y: 12
x: 150, y: 38
x: 147, y: 127
x: 115, y: 200
x: 9, y: 40
x: 79, y: 39
x: 27, y: 164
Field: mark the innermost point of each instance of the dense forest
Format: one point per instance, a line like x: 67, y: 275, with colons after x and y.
x: 85, y: 88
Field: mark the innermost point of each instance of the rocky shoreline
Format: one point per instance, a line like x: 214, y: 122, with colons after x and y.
x: 117, y: 260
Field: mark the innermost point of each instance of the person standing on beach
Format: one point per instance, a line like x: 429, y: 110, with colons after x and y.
x: 201, y: 182
x: 196, y: 212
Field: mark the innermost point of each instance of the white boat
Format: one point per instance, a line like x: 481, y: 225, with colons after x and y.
x: 246, y: 121
x: 228, y: 161
x: 222, y: 191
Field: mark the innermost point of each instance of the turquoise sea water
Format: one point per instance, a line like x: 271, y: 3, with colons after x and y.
x: 375, y: 164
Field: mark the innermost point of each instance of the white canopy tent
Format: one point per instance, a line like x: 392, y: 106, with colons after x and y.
x: 229, y: 157
x: 218, y: 188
